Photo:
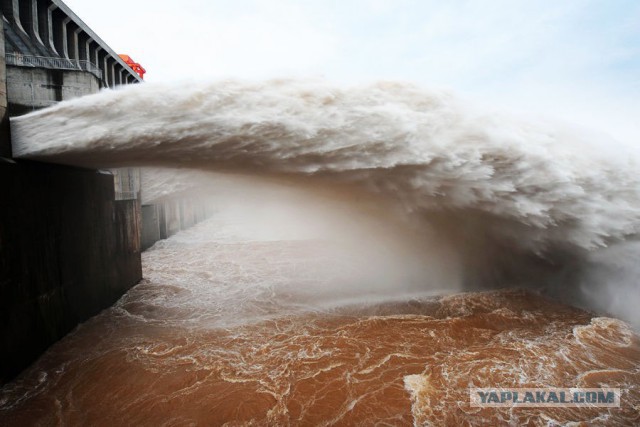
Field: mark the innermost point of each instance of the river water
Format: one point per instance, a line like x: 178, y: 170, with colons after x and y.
x: 427, y: 251
x: 228, y: 328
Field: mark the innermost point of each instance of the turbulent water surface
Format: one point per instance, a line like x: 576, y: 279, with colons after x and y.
x: 229, y: 329
x: 348, y: 310
x: 519, y: 198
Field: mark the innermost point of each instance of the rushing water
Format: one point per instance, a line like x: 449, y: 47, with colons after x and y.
x: 518, y: 198
x: 347, y: 309
x: 227, y: 328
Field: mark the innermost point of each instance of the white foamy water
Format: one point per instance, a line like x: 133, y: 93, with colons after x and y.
x: 234, y: 271
x: 513, y: 195
x: 424, y: 148
x: 290, y: 307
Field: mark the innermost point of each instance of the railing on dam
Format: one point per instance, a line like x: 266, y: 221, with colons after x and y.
x: 50, y: 35
x: 21, y: 60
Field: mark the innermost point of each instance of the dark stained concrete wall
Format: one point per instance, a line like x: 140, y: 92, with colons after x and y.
x: 5, y: 140
x: 67, y: 251
x: 165, y: 219
x: 30, y: 89
x: 150, y: 225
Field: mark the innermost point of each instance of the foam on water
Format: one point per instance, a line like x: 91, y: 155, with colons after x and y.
x: 513, y: 195
x: 424, y: 148
x: 235, y: 326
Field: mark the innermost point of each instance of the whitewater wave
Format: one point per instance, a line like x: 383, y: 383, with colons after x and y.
x: 423, y: 148
x: 505, y: 189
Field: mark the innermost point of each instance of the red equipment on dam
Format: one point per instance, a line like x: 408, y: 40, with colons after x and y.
x: 139, y: 69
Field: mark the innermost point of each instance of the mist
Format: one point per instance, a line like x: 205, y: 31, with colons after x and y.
x: 370, y: 251
x: 405, y: 176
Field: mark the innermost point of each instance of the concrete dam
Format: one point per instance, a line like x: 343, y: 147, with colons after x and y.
x: 376, y: 251
x: 70, y: 237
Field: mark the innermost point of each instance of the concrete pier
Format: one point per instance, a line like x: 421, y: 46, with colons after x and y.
x: 68, y: 250
x: 5, y: 139
x: 164, y: 219
x: 69, y: 237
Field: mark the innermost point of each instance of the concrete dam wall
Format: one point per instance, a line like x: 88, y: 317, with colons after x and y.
x: 70, y: 238
x: 162, y: 220
x: 68, y: 249
x: 68, y: 246
x: 34, y: 88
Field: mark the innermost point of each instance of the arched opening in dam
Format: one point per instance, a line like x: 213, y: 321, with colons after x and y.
x: 373, y: 253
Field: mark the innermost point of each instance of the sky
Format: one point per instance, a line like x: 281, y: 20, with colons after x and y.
x: 576, y: 60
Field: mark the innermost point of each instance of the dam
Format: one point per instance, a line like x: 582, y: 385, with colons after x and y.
x: 72, y: 237
x: 374, y: 251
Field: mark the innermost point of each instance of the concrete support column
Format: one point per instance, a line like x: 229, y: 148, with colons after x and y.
x: 73, y: 42
x: 65, y: 37
x: 5, y: 139
x: 100, y: 62
x: 34, y: 28
x: 83, y: 46
x: 112, y: 74
x: 48, y: 15
x: 24, y: 16
x: 95, y: 58
x: 55, y: 33
x: 105, y: 70
x: 15, y: 15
